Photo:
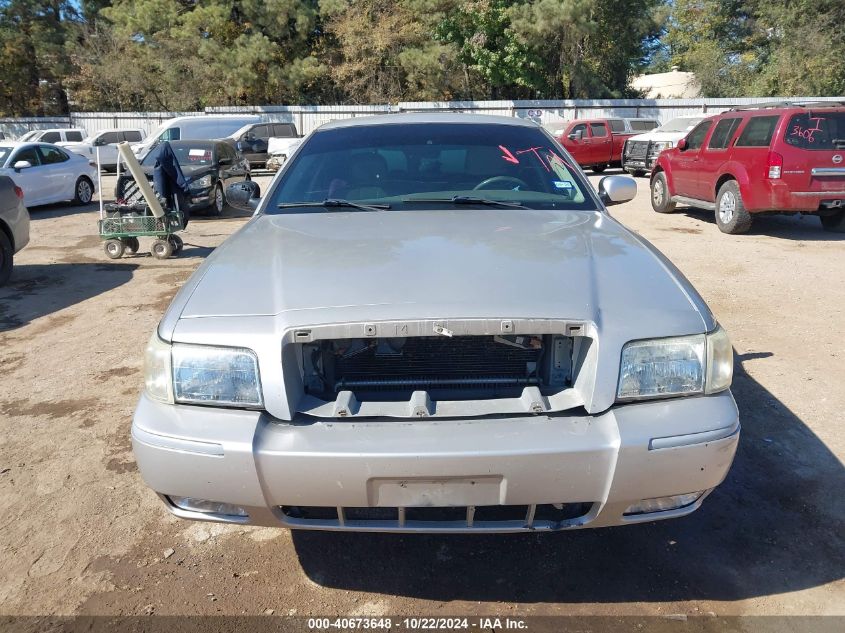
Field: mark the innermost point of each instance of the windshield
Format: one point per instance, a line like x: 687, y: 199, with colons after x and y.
x: 29, y: 135
x: 395, y: 164
x: 680, y: 125
x: 5, y: 152
x: 190, y: 154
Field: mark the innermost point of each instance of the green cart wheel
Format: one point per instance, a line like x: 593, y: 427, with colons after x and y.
x: 162, y: 249
x: 114, y: 249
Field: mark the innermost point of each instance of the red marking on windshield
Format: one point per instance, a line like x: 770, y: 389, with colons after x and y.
x: 508, y: 156
x: 536, y: 152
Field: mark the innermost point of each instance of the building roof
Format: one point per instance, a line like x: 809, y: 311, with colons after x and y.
x: 675, y: 84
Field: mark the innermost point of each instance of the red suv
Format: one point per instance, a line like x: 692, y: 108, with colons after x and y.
x: 777, y: 158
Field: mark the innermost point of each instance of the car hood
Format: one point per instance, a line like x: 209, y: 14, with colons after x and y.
x: 188, y: 171
x: 659, y: 136
x: 315, y: 268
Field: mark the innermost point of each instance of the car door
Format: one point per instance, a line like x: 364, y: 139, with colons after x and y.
x: 60, y: 171
x: 578, y: 146
x: 108, y: 147
x: 685, y: 163
x: 254, y: 144
x: 225, y: 160
x: 36, y: 188
x: 712, y: 158
x: 601, y: 143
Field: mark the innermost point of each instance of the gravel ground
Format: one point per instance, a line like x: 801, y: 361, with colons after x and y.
x: 81, y: 534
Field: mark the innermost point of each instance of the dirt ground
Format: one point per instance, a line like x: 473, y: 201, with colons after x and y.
x: 81, y: 534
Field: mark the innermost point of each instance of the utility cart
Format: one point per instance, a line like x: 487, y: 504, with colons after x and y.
x: 138, y: 212
x: 124, y: 224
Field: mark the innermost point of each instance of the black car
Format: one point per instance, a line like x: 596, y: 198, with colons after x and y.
x: 209, y: 167
x: 252, y: 139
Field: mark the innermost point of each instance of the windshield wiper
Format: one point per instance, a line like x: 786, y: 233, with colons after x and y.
x: 467, y: 200
x: 331, y: 203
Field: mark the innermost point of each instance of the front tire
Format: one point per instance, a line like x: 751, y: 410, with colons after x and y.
x: 84, y: 191
x: 218, y: 205
x: 834, y: 222
x: 660, y: 200
x: 6, y: 258
x: 731, y: 216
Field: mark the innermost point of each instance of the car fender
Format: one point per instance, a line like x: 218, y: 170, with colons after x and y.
x: 734, y: 170
x: 665, y: 166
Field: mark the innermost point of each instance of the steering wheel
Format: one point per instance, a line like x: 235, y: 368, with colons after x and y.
x: 484, y: 184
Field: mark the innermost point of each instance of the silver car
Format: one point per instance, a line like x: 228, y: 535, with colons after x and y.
x: 431, y: 323
x: 14, y: 225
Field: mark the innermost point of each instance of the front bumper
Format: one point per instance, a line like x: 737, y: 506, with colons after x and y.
x: 639, y: 164
x: 603, y: 463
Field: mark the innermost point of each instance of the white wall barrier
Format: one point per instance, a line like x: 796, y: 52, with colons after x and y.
x: 308, y: 118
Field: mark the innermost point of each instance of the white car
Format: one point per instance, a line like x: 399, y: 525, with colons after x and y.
x: 106, y: 141
x: 642, y: 150
x: 48, y: 173
x: 55, y: 135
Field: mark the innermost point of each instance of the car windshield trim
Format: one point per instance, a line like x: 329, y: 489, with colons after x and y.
x: 466, y: 200
x: 334, y: 203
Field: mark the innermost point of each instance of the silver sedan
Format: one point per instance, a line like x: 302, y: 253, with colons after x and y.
x: 432, y: 323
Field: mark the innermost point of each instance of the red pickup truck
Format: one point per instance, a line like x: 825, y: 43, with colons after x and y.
x: 597, y: 143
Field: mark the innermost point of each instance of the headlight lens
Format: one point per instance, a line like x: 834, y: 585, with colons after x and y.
x: 658, y: 147
x: 684, y: 365
x: 224, y: 376
x: 201, y: 183
x: 720, y: 361
x: 157, y: 369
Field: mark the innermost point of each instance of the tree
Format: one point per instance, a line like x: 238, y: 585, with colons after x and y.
x: 33, y: 59
x: 758, y: 47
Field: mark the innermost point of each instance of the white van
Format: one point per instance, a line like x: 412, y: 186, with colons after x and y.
x: 202, y: 127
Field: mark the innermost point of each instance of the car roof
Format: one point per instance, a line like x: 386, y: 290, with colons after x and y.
x: 416, y: 118
x: 184, y: 142
x: 779, y: 107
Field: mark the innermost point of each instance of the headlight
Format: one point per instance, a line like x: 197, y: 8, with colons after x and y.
x: 658, y: 147
x: 157, y: 369
x: 201, y: 183
x: 225, y: 376
x: 685, y: 365
x: 199, y: 374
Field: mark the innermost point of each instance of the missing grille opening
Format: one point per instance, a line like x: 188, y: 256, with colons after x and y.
x: 448, y: 368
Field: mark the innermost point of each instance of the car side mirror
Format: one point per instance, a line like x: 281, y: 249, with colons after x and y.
x: 99, y: 142
x: 244, y: 195
x: 22, y: 164
x: 617, y: 189
x: 576, y: 136
x: 682, y: 144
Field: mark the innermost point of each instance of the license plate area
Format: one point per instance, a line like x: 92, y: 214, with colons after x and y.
x: 440, y: 492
